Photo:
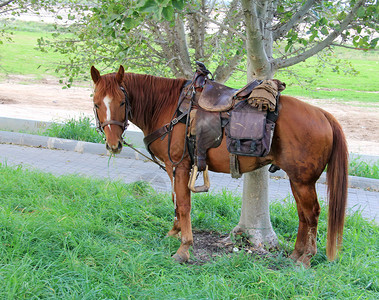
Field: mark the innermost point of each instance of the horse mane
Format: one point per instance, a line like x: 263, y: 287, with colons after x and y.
x: 150, y: 96
x: 108, y: 85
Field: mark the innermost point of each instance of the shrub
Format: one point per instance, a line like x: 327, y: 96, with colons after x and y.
x: 80, y: 130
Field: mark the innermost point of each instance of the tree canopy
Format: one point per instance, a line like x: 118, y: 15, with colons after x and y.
x: 165, y: 37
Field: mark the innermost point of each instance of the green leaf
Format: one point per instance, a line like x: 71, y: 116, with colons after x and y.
x: 323, y: 21
x: 149, y: 6
x: 361, y: 12
x: 129, y: 23
x: 324, y: 31
x: 341, y: 16
x: 374, y: 42
x: 288, y: 47
x: 168, y: 13
x: 178, y: 4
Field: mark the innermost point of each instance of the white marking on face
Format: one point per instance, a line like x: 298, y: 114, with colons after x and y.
x: 107, y: 102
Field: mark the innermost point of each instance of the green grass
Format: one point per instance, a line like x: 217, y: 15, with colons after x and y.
x: 75, y: 129
x: 77, y: 238
x: 362, y: 168
x: 20, y: 57
x: 330, y: 84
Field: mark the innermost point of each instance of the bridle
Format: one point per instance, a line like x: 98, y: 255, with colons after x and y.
x: 124, y: 125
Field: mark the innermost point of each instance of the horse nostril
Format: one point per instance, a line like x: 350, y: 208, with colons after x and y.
x: 119, y: 145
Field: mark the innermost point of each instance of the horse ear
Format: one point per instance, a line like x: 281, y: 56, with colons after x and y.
x: 95, y: 74
x: 120, y: 74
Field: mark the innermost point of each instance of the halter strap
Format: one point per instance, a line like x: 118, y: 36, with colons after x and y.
x: 124, y: 125
x: 161, y: 132
x: 112, y: 122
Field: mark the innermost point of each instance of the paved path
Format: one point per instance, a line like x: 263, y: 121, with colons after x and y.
x: 61, y: 162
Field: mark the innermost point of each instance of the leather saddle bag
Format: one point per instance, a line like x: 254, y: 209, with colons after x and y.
x: 249, y: 131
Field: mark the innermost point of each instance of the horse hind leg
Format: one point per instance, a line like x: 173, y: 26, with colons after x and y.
x: 308, y: 211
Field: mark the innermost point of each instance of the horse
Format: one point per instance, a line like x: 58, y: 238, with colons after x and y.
x: 306, y: 140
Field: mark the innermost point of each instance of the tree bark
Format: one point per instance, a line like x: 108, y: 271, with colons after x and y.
x: 255, y: 215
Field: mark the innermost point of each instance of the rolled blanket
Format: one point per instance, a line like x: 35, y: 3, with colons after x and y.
x: 264, y: 95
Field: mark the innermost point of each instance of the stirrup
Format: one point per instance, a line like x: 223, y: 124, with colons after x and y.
x: 191, y: 182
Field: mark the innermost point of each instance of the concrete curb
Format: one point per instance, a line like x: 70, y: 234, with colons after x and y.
x: 25, y: 139
x: 368, y: 184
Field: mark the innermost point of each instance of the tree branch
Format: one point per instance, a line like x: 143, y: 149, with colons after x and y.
x: 211, y: 6
x: 283, y: 29
x: 283, y: 63
x: 5, y: 3
x: 227, y: 28
x: 223, y: 72
x: 196, y: 36
x: 351, y: 47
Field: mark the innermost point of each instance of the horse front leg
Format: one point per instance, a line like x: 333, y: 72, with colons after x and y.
x: 174, y: 232
x: 182, y: 199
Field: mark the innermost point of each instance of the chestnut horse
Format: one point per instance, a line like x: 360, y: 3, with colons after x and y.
x: 305, y: 140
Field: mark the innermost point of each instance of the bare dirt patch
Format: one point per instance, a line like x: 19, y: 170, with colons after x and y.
x: 208, y: 246
x: 47, y: 101
x: 5, y: 100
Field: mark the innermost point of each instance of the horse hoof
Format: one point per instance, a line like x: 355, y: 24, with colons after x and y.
x: 180, y: 259
x: 304, y: 260
x: 295, y: 255
x: 173, y: 233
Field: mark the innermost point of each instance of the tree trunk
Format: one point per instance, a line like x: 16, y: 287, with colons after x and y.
x: 255, y: 215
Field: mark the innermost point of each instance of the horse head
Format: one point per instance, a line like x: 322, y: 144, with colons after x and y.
x: 111, y: 107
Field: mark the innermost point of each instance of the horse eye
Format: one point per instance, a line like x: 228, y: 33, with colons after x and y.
x: 122, y: 103
x: 96, y: 106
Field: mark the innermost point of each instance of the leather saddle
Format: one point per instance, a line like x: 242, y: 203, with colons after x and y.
x: 209, y: 103
x: 218, y: 97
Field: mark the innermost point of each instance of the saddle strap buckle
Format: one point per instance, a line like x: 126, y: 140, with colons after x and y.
x: 192, y: 181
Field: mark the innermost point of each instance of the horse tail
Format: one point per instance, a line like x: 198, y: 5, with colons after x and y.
x: 337, y: 177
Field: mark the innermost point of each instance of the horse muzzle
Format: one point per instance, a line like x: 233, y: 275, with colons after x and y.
x: 114, y: 149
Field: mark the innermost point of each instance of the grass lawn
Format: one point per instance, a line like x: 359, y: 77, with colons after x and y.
x: 74, y: 238
x: 21, y: 57
x: 330, y: 84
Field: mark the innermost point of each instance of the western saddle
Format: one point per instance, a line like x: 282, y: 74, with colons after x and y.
x: 208, y: 104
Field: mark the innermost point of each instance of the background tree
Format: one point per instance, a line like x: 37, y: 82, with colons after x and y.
x: 165, y: 37
x: 9, y: 9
